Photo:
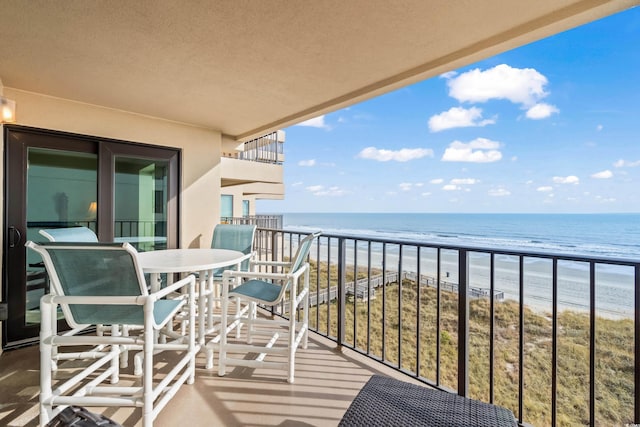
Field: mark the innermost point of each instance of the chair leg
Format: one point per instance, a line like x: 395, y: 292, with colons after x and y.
x: 251, y: 317
x: 54, y: 330
x: 147, y: 379
x: 46, y: 365
x: 305, y: 305
x: 291, y: 344
x: 115, y: 359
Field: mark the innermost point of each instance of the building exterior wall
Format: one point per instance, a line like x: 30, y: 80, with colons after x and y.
x: 200, y: 168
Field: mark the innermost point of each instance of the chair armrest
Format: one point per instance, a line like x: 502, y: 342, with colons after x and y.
x: 174, y: 287
x: 272, y: 263
x: 265, y: 275
x: 95, y: 300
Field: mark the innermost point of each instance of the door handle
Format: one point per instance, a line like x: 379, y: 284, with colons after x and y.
x: 13, y: 233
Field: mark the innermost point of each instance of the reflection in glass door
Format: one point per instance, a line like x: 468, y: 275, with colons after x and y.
x: 141, y: 191
x: 120, y: 190
x: 62, y: 189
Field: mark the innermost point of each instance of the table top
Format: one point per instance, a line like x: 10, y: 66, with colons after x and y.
x: 187, y: 260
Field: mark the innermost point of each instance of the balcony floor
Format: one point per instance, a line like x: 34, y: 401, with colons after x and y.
x: 327, y: 380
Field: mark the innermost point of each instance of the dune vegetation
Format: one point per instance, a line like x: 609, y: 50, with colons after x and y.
x: 415, y: 352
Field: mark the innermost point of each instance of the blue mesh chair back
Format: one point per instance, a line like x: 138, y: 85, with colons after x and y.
x: 271, y: 293
x: 303, y: 251
x: 237, y: 237
x: 96, y: 269
x: 69, y: 234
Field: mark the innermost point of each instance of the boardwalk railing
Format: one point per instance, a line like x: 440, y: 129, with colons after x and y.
x: 558, y: 344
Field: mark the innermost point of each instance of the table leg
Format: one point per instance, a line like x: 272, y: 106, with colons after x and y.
x: 201, y: 307
x: 154, y: 278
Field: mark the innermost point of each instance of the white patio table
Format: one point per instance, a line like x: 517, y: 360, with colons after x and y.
x: 202, y: 261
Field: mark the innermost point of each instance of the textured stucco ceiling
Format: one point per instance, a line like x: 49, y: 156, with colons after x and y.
x: 249, y: 66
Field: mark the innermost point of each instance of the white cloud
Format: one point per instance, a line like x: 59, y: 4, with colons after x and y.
x: 451, y: 187
x: 545, y: 189
x: 524, y: 86
x: 605, y: 199
x: 603, y: 175
x: 403, y: 155
x: 296, y: 184
x: 480, y: 150
x: 499, y: 192
x: 315, y: 188
x: 320, y: 190
x: 309, y: 163
x: 436, y: 181
x: 541, y: 111
x: 427, y: 194
x: 316, y: 122
x: 458, y: 117
x: 599, y: 128
x: 626, y: 163
x: 408, y: 186
x: 448, y: 75
x: 571, y: 179
x: 464, y: 181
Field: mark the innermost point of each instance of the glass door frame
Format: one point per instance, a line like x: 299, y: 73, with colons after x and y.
x: 17, y: 141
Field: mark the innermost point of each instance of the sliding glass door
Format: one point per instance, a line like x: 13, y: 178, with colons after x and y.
x: 122, y: 191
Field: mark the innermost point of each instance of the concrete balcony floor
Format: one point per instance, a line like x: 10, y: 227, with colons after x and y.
x: 327, y: 379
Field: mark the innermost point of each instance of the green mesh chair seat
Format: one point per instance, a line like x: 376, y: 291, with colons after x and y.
x: 259, y: 290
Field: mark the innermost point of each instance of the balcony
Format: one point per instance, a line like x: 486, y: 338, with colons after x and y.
x: 424, y: 313
x: 255, y: 168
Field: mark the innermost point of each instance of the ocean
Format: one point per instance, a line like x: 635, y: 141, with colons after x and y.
x: 608, y: 235
x: 591, y: 235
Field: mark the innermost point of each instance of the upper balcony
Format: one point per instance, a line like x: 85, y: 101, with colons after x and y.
x: 255, y: 165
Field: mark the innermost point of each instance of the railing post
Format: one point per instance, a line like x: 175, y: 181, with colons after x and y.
x: 463, y: 324
x: 342, y: 294
x: 636, y: 338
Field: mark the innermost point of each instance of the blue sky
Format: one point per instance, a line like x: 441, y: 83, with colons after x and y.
x: 550, y: 127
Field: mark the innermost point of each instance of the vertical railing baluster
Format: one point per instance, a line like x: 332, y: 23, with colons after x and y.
x: 492, y: 327
x: 369, y: 298
x: 355, y: 292
x: 329, y: 287
x: 521, y: 340
x: 318, y: 286
x: 554, y: 343
x: 384, y: 287
x: 342, y: 292
x: 438, y: 274
x: 636, y: 340
x: 418, y: 309
x: 463, y: 324
x: 592, y: 344
x: 400, y: 251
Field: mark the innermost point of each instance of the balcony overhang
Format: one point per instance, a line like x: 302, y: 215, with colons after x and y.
x: 246, y: 68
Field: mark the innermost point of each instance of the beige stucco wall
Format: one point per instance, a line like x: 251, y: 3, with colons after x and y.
x: 200, y: 149
x: 200, y: 197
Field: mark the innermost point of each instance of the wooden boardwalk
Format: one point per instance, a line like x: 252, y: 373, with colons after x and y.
x: 359, y: 289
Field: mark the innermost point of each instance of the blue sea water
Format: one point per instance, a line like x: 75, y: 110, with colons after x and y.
x: 608, y: 235
x: 615, y: 236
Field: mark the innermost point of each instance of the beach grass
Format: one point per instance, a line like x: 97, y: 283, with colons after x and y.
x: 367, y: 329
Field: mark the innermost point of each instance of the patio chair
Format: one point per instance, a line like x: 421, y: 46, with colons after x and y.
x: 102, y: 283
x: 69, y: 234
x: 269, y: 289
x: 237, y: 237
